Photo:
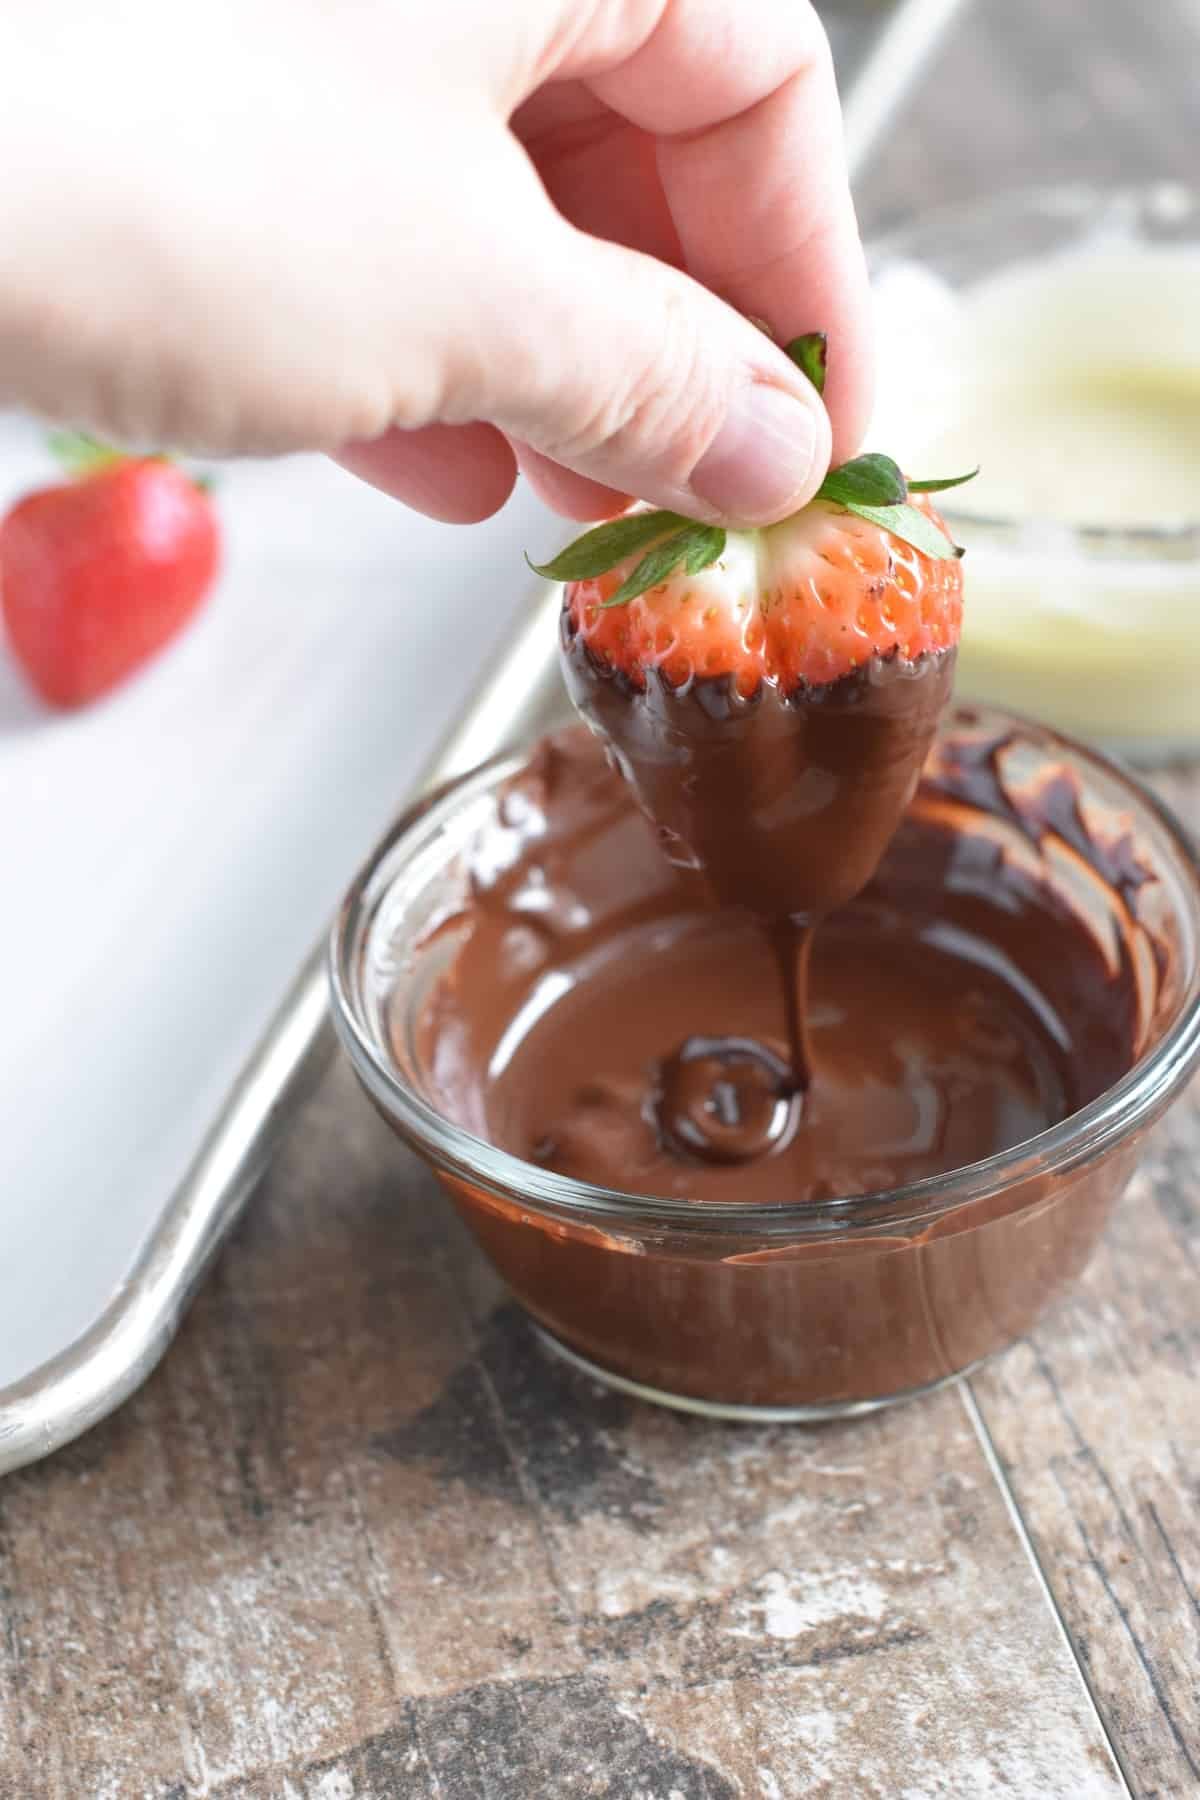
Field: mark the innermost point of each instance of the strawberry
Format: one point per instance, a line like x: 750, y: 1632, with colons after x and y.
x: 866, y: 569
x: 771, y: 694
x: 797, y: 605
x: 99, y: 572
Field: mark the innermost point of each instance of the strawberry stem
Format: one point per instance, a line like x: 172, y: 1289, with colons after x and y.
x: 82, y: 455
x: 810, y: 353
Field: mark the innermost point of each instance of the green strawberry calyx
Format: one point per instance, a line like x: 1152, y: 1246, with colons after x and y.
x: 873, y: 487
x: 81, y: 456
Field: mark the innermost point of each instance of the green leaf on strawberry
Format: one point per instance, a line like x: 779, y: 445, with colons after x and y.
x: 691, y: 549
x: 934, y: 485
x: 874, y: 488
x: 681, y: 543
x: 605, y: 545
x: 82, y: 455
x: 871, y: 480
x: 907, y: 523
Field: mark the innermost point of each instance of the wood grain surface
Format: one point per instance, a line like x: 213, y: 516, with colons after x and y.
x: 359, y: 1539
x: 360, y: 1536
x: 1096, y: 1420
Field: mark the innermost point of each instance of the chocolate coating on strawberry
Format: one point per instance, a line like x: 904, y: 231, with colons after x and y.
x: 798, y: 605
x: 784, y: 802
x: 772, y: 712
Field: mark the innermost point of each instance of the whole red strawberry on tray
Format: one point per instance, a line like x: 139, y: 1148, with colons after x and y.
x: 99, y: 572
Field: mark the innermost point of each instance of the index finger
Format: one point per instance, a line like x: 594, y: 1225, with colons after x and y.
x: 742, y: 99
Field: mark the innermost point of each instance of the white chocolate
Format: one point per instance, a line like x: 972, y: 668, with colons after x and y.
x: 1075, y: 382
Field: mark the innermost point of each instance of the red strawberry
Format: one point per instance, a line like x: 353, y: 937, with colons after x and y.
x: 797, y: 605
x: 98, y: 573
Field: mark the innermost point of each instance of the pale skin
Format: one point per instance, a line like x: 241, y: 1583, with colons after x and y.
x: 440, y: 239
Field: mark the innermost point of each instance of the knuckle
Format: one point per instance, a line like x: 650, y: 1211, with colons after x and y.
x: 665, y: 407
x: 436, y: 386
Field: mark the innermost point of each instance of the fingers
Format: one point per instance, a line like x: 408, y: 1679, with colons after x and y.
x: 743, y: 102
x: 610, y: 371
x: 457, y: 473
x: 574, y: 496
x: 613, y: 365
x: 629, y: 373
x: 600, y: 171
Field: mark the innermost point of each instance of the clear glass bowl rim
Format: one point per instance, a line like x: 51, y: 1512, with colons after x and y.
x: 1131, y: 1103
x: 1076, y: 202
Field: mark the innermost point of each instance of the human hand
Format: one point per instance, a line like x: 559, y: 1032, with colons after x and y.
x: 436, y: 239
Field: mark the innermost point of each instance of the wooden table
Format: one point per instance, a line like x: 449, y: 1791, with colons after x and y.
x: 358, y: 1539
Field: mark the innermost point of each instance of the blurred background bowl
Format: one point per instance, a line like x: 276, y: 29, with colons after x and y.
x: 1050, y: 335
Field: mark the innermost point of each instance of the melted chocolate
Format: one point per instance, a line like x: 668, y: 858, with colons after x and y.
x: 592, y: 1010
x: 784, y: 804
x: 603, y: 1018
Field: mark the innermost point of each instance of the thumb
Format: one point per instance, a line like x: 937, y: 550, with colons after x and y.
x: 628, y: 372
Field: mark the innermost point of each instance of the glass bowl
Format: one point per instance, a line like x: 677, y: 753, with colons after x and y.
x: 806, y: 1310
x: 1050, y: 336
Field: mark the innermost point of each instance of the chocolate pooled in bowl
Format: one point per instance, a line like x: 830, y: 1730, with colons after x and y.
x: 950, y: 1012
x: 994, y: 1020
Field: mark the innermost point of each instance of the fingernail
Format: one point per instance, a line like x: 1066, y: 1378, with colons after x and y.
x: 760, y: 465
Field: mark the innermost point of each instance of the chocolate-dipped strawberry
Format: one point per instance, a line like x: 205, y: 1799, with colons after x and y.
x: 771, y: 694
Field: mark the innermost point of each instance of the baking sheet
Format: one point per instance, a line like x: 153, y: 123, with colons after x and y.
x: 176, y: 851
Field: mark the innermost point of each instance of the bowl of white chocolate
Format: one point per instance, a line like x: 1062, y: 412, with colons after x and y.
x: 1053, y: 337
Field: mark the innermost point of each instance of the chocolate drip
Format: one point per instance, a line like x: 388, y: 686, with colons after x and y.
x: 639, y: 1036
x: 784, y: 804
